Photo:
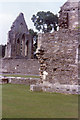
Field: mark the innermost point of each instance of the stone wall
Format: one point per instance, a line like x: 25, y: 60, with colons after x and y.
x: 18, y: 80
x: 58, y: 57
x: 59, y: 54
x: 19, y: 43
x: 20, y: 66
x: 68, y: 17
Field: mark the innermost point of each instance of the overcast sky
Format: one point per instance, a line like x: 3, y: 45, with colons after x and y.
x: 10, y: 9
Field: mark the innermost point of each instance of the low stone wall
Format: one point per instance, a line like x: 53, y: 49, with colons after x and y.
x: 26, y: 81
x: 57, y: 88
x: 18, y: 80
x: 20, y: 66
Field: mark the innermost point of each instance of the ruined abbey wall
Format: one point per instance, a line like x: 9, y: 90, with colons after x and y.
x: 58, y: 57
x: 19, y: 43
x: 69, y: 15
x: 59, y: 53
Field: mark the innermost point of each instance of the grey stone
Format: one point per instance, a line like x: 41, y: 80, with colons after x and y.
x: 59, y: 52
x: 35, y: 88
x: 19, y: 42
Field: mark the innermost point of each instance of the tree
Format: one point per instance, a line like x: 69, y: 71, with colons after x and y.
x: 45, y: 21
x: 34, y: 37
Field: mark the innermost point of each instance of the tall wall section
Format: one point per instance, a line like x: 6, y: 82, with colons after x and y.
x: 58, y: 57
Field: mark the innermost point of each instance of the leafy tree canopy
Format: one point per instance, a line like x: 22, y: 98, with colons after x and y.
x: 33, y: 34
x: 34, y: 37
x: 45, y: 21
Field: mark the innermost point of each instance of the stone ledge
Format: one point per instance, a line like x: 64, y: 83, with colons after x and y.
x: 18, y: 80
x: 61, y: 88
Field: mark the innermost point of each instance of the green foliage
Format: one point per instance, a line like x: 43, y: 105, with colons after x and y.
x: 34, y: 37
x: 33, y: 34
x: 16, y: 75
x: 45, y: 21
x: 19, y: 102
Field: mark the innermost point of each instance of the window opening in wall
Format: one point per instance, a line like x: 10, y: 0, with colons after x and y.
x: 21, y: 47
x: 79, y: 53
x: 67, y: 20
x: 18, y: 41
x: 18, y: 47
x: 26, y: 42
x: 23, y: 37
x: 21, y: 24
x: 26, y: 48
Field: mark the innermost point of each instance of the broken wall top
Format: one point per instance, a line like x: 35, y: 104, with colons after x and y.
x: 18, y: 28
x: 69, y: 5
x: 69, y: 15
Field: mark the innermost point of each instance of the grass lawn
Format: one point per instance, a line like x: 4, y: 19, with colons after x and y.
x: 19, y: 102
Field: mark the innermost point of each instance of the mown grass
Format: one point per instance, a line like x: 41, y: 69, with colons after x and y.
x: 19, y: 102
x: 24, y: 76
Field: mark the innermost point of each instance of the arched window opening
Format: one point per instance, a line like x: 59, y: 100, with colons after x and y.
x: 23, y: 45
x: 67, y: 21
x: 27, y: 42
x: 79, y: 53
x: 18, y: 41
x: 26, y: 48
x: 23, y: 37
x: 18, y: 47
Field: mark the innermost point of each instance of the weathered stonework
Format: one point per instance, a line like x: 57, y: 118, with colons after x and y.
x: 19, y: 66
x: 18, y: 80
x: 19, y: 51
x: 19, y: 40
x: 59, y: 54
x: 58, y: 57
x: 68, y: 18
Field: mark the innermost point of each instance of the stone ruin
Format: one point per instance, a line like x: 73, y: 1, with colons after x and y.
x: 19, y: 58
x: 19, y: 44
x: 59, y: 54
x: 68, y: 15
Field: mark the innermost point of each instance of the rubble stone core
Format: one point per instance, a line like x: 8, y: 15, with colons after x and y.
x: 59, y: 54
x: 19, y: 40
